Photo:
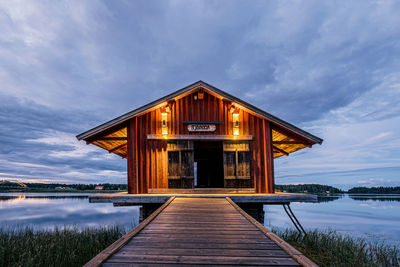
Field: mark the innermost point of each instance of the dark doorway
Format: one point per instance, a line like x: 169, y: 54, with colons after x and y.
x: 208, y: 158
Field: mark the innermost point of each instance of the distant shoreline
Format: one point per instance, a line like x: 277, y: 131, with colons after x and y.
x: 316, y: 189
x: 40, y: 190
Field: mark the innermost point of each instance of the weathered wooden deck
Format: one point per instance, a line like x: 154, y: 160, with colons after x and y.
x: 200, y: 231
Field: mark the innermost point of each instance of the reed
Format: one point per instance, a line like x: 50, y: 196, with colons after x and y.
x: 58, y: 247
x: 329, y: 248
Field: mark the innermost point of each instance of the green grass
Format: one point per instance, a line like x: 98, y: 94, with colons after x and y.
x: 329, y: 248
x: 59, y: 247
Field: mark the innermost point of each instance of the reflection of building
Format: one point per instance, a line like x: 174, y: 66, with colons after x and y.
x: 99, y: 187
x: 12, y: 198
x: 199, y: 132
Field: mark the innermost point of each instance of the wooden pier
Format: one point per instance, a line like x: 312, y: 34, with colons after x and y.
x: 200, y: 231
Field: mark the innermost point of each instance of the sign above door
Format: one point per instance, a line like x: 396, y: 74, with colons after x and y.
x: 201, y: 126
x: 205, y: 127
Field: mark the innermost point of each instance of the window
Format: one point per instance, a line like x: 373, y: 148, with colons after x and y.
x: 180, y: 164
x: 173, y: 165
x: 237, y: 160
x: 243, y: 164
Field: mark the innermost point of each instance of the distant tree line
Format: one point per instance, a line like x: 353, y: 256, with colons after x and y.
x: 309, y: 188
x: 375, y: 190
x: 106, y: 186
x: 323, y: 189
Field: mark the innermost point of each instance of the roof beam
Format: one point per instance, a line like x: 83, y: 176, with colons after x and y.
x: 111, y: 139
x: 287, y: 143
x: 280, y: 150
x: 114, y: 138
x: 117, y: 147
x: 105, y: 132
x: 291, y: 135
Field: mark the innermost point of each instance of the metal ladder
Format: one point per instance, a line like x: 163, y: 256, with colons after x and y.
x: 295, y: 221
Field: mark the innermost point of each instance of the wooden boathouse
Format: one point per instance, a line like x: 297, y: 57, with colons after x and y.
x: 201, y: 164
x: 199, y: 137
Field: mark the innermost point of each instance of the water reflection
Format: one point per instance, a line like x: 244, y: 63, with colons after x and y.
x: 12, y: 198
x: 328, y: 198
x: 17, y: 198
x: 47, y: 211
x: 375, y: 197
x: 374, y: 217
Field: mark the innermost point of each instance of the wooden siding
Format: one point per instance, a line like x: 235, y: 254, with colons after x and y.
x: 148, y: 159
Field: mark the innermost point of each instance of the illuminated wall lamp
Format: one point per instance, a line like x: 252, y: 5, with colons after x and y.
x: 164, y: 121
x: 200, y: 94
x: 235, y: 123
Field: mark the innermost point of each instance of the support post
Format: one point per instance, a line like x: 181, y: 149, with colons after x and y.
x: 255, y: 210
x: 147, y: 209
x: 267, y: 166
x: 131, y: 157
x: 270, y: 160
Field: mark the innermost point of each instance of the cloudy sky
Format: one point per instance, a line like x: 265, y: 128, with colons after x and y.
x: 330, y: 67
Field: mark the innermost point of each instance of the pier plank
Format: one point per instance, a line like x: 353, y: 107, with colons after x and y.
x: 204, y: 252
x: 226, y: 260
x: 199, y: 245
x: 171, y: 227
x: 189, y: 239
x: 205, y: 223
x: 202, y: 231
x: 252, y: 235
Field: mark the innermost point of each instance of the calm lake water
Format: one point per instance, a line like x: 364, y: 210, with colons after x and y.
x: 49, y: 210
x: 374, y: 217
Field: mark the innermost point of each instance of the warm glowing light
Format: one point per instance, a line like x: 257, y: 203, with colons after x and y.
x: 236, y: 124
x: 15, y: 199
x: 164, y: 123
x: 200, y: 95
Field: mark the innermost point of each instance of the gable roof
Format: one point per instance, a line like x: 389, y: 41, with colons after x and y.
x: 121, y: 119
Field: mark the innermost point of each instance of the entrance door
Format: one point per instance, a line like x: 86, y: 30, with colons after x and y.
x: 208, y: 157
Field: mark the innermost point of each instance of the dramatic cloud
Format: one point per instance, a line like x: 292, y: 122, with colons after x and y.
x: 329, y: 67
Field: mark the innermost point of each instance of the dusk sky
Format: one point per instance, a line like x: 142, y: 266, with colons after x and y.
x: 329, y: 67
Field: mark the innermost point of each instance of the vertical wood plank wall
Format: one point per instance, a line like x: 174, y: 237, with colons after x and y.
x: 148, y: 159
